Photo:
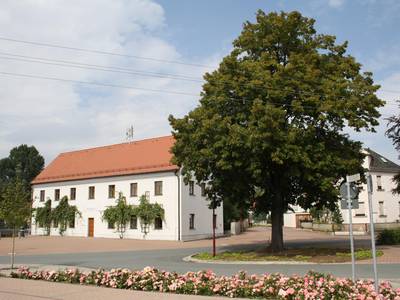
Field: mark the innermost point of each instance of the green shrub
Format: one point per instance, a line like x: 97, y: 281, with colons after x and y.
x: 389, y: 237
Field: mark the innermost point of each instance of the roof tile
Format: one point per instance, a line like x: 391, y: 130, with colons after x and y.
x: 145, y: 156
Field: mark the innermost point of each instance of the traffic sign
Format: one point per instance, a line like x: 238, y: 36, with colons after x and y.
x: 353, y: 190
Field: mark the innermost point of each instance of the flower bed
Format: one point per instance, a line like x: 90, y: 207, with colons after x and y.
x: 268, y: 286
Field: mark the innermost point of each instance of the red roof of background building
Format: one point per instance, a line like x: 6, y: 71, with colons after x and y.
x: 145, y: 156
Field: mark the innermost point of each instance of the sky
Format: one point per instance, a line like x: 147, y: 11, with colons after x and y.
x: 148, y: 58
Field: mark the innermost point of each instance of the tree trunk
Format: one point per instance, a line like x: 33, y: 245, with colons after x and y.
x: 13, y: 249
x: 277, y: 225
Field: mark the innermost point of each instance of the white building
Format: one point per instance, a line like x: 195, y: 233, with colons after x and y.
x: 92, y: 178
x: 385, y: 204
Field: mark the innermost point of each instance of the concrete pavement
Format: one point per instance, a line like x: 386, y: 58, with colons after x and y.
x: 19, y: 289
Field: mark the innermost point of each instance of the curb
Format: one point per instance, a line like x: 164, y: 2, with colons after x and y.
x: 190, y: 258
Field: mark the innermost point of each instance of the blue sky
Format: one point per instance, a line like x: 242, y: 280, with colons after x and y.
x: 58, y: 117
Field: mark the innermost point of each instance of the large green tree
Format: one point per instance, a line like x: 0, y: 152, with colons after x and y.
x: 15, y: 209
x: 23, y: 160
x: 269, y: 126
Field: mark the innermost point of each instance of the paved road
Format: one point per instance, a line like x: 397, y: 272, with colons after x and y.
x: 171, y: 260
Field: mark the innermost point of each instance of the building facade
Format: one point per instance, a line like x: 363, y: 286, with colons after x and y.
x: 93, y: 178
x: 385, y: 204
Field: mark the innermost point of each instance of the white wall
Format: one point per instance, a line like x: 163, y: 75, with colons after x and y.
x: 93, y: 208
x: 198, y: 205
x: 391, y: 202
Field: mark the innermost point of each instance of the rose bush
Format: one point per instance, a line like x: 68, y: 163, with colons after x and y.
x: 268, y: 286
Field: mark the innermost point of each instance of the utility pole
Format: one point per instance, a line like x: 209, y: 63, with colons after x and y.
x: 349, y: 204
x: 372, y: 229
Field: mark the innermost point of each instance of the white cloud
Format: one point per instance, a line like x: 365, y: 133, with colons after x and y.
x: 389, y: 92
x: 336, y: 3
x: 57, y: 116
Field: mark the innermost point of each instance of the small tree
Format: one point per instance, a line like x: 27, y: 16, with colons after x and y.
x: 64, y: 214
x: 119, y: 215
x: 147, y: 212
x: 15, y: 209
x: 43, y: 216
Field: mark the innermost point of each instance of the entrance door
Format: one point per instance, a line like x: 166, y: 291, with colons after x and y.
x: 90, y: 227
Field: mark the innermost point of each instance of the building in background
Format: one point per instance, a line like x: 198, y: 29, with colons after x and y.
x: 92, y: 179
x: 385, y: 204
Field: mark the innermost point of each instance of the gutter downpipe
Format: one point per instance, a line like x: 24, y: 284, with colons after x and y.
x: 178, y: 176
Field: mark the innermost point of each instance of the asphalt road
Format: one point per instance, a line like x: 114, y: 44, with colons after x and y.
x: 171, y: 260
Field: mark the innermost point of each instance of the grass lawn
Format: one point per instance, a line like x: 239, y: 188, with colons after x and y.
x: 317, y: 255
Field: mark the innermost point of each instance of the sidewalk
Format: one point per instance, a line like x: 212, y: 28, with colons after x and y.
x: 19, y: 289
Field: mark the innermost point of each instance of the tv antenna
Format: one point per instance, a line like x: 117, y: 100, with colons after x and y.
x: 129, y: 134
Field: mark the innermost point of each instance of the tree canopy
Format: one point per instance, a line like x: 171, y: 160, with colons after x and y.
x: 269, y: 126
x: 393, y: 132
x: 24, y: 161
x: 15, y: 208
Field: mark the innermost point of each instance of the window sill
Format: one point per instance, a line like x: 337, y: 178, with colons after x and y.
x: 360, y: 215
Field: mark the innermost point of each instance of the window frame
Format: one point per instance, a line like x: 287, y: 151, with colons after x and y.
x: 134, y: 191
x: 191, y: 221
x: 74, y: 193
x: 111, y: 191
x: 379, y: 183
x: 110, y: 225
x: 191, y: 188
x: 57, y: 193
x: 135, y: 223
x: 42, y: 195
x: 92, y: 195
x: 203, y: 189
x: 158, y: 191
x: 158, y: 223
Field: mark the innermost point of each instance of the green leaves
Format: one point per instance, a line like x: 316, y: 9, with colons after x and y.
x: 15, y: 207
x: 43, y: 216
x: 271, y: 118
x: 120, y: 214
x: 147, y: 212
x: 63, y: 214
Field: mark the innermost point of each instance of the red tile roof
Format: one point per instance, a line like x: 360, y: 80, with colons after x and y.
x: 145, y: 156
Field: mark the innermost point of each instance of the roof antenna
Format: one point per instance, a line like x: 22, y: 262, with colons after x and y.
x: 129, y: 134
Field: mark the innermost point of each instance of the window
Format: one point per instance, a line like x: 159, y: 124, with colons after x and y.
x: 158, y: 188
x: 203, y: 189
x: 57, y: 194
x: 111, y: 191
x: 72, y: 194
x: 91, y: 192
x: 379, y: 182
x: 133, y: 222
x: 158, y: 223
x: 72, y: 223
x: 42, y: 195
x: 191, y: 221
x: 55, y: 224
x: 134, y: 189
x: 381, y: 209
x: 111, y: 225
x: 214, y: 220
x: 360, y: 212
x: 191, y: 188
x: 399, y: 208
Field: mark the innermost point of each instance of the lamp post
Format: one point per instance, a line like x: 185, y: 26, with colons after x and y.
x: 145, y: 226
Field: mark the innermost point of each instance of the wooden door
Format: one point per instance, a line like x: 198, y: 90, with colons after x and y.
x: 90, y: 227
